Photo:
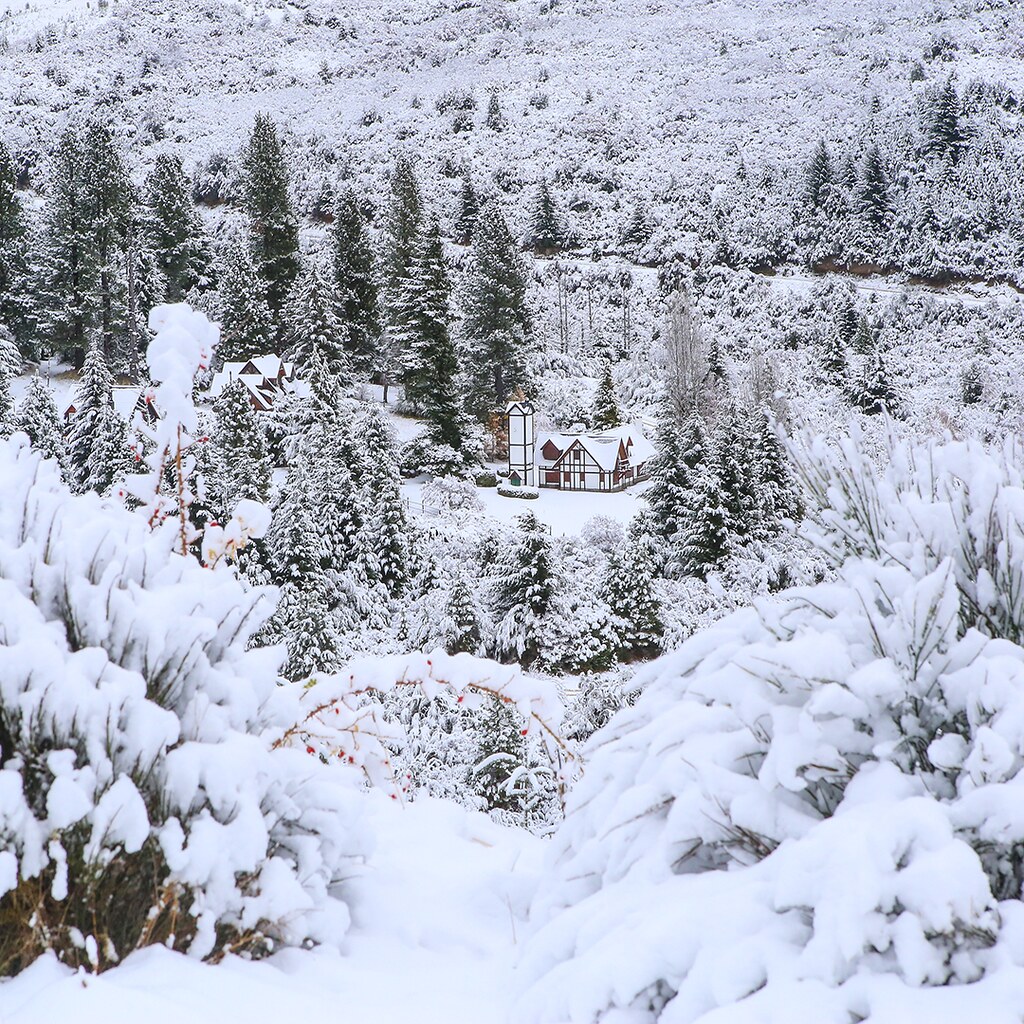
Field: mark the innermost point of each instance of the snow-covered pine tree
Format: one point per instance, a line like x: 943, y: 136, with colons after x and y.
x: 402, y: 227
x: 6, y: 407
x: 833, y: 357
x: 246, y: 322
x: 10, y: 355
x: 312, y: 323
x: 354, y: 281
x: 385, y: 540
x: 627, y: 586
x: 546, y: 233
x: 37, y: 417
x: 97, y: 442
x: 468, y: 210
x: 522, y: 590
x: 818, y: 176
x: 776, y: 488
x: 496, y: 324
x: 14, y: 250
x: 432, y: 380
x: 708, y: 531
x: 681, y: 451
x: 605, y: 413
x: 873, y: 392
x: 267, y: 202
x: 864, y: 337
x: 109, y: 203
x: 172, y: 230
x: 495, y: 119
x: 89, y: 205
x: 872, y: 193
x: 638, y: 229
x: 241, y: 461
x: 736, y: 469
x: 944, y: 135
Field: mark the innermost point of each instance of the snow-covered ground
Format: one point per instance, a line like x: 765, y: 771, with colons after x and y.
x: 564, y: 511
x: 436, y: 917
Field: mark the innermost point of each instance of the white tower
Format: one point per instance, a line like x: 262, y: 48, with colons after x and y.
x: 521, y: 444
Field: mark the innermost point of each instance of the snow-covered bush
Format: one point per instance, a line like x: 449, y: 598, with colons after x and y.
x: 811, y: 812
x: 140, y: 800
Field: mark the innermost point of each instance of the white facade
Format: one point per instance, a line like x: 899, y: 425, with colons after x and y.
x: 607, y: 460
x: 522, y: 459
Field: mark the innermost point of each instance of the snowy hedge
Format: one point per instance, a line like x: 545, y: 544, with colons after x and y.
x: 813, y: 811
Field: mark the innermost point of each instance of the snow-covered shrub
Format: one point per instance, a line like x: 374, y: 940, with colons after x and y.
x: 140, y: 799
x: 524, y: 492
x: 811, y: 812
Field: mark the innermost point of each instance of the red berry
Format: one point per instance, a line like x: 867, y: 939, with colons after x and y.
x: 310, y: 750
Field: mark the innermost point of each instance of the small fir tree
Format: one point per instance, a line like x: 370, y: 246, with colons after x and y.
x: 468, y: 211
x: 605, y: 413
x: 546, y: 234
x: 495, y: 119
x: 312, y: 323
x: 97, y: 444
x: 37, y: 417
x: 246, y: 323
x: 241, y: 461
x: 819, y: 176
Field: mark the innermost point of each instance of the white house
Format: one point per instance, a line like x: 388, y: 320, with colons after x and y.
x: 265, y: 378
x: 606, y: 460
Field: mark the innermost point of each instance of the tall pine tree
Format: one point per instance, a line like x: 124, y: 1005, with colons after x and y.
x: 354, y: 279
x: 266, y: 201
x: 605, y: 413
x: 312, y: 323
x: 97, y: 444
x: 246, y: 323
x: 15, y: 306
x: 496, y: 323
x: 172, y: 230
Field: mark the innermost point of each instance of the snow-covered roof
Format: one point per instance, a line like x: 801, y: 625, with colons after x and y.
x: 267, y: 367
x: 603, y: 446
x: 126, y: 398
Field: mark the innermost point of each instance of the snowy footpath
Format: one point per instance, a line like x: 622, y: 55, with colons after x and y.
x: 437, y: 911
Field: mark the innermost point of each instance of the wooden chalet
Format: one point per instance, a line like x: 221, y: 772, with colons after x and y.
x: 608, y: 460
x: 265, y: 378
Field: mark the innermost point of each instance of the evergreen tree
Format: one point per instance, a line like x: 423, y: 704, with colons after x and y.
x: 545, y: 234
x: 847, y: 321
x: 469, y: 210
x: 496, y: 323
x: 10, y: 354
x: 775, y: 486
x: 109, y: 204
x: 402, y: 224
x: 495, y: 119
x: 355, y: 286
x: 241, y: 461
x: 87, y: 217
x: 312, y: 323
x: 605, y: 413
x: 97, y: 445
x: 737, y: 475
x: 943, y: 134
x: 522, y: 590
x: 5, y: 402
x: 246, y: 323
x: 681, y: 451
x: 628, y: 589
x: 172, y: 230
x: 15, y: 305
x: 432, y: 367
x: 864, y: 338
x: 639, y: 228
x: 819, y: 177
x: 461, y: 623
x: 266, y: 201
x: 833, y: 358
x: 872, y: 192
x: 37, y: 417
x: 873, y: 392
x: 385, y: 531
x: 707, y: 536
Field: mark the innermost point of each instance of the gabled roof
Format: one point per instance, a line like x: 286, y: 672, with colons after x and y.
x: 604, y: 446
x: 524, y: 408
